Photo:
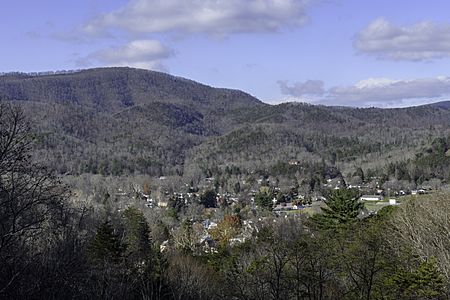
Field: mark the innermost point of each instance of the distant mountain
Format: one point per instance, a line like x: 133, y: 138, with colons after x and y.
x: 442, y: 104
x: 114, y: 90
x: 122, y: 120
x: 135, y: 119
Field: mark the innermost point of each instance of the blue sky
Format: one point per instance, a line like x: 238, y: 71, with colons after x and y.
x: 334, y: 52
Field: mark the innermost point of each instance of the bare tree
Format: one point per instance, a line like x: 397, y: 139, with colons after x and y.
x: 423, y: 226
x: 190, y: 279
x: 29, y: 196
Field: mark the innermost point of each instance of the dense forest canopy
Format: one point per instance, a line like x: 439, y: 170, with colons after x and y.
x: 120, y: 121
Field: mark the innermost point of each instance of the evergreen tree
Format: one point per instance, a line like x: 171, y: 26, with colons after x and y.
x: 263, y: 199
x: 136, y: 232
x: 426, y: 282
x: 359, y: 173
x: 237, y: 187
x: 208, y: 199
x: 343, y: 207
x: 106, y: 245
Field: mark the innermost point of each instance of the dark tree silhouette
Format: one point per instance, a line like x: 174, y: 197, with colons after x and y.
x: 30, y: 199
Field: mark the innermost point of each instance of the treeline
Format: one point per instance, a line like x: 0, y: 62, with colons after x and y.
x: 34, y: 74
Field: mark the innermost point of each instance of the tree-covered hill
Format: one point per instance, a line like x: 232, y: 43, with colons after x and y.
x: 346, y: 137
x: 122, y: 120
x: 442, y: 104
x: 113, y: 89
x: 116, y: 120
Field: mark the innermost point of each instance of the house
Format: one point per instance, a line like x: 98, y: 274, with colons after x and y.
x: 212, y: 225
x: 207, y: 244
x: 371, y: 198
x: 163, y: 203
x: 294, y: 162
x: 237, y: 240
x: 208, y: 224
x: 286, y: 207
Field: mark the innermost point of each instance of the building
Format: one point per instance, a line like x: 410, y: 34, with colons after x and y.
x: 392, y: 202
x: 371, y: 198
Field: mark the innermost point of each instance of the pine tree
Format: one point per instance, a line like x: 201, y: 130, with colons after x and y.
x: 208, y: 199
x: 426, y: 282
x: 263, y: 199
x: 106, y: 246
x: 343, y: 207
x: 136, y: 233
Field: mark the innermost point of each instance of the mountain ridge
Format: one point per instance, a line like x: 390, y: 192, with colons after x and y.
x: 124, y: 120
x: 441, y: 104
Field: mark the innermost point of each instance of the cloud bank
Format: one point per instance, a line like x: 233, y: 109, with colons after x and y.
x: 148, y: 20
x: 298, y: 89
x: 382, y: 92
x: 214, y: 17
x: 146, y: 54
x: 417, y: 42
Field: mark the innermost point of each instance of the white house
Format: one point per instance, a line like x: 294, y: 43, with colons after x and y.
x: 371, y: 198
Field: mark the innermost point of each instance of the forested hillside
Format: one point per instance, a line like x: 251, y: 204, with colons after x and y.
x: 118, y: 121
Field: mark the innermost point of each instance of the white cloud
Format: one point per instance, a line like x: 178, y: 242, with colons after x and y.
x: 388, y: 92
x: 145, y: 54
x: 421, y: 41
x: 385, y: 92
x: 309, y: 87
x: 215, y: 17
